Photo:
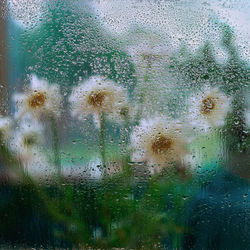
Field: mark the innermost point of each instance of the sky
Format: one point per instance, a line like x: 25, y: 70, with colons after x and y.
x: 182, y: 21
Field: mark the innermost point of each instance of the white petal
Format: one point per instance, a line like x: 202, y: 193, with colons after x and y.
x: 37, y: 83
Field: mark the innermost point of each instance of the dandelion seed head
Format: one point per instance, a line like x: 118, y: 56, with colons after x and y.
x: 96, y: 99
x: 161, y: 144
x: 208, y: 108
x: 37, y: 99
x: 27, y: 138
x: 158, y: 142
x: 30, y: 140
x: 208, y: 105
x: 98, y: 95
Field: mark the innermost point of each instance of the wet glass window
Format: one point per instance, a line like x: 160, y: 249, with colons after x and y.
x: 124, y: 124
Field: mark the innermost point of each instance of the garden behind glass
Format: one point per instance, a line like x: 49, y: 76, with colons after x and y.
x: 124, y: 124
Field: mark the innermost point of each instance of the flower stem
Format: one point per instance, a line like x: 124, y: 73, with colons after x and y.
x: 52, y: 209
x: 142, y: 93
x: 56, y: 147
x: 102, y: 142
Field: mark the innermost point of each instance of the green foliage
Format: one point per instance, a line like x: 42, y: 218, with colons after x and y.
x: 232, y: 77
x: 123, y: 210
x: 196, y: 69
x: 202, y: 67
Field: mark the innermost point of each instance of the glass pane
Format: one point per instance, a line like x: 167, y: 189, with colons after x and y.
x: 124, y: 124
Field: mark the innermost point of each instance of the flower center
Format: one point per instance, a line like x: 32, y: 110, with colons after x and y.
x: 149, y: 57
x: 37, y: 100
x: 161, y: 144
x: 29, y: 140
x: 124, y: 112
x: 96, y: 99
x: 207, y: 106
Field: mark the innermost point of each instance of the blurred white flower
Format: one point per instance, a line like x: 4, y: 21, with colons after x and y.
x: 6, y: 124
x: 26, y: 143
x: 96, y: 96
x: 146, y: 46
x: 40, y: 98
x: 158, y: 142
x: 150, y: 51
x: 26, y: 139
x: 208, y: 108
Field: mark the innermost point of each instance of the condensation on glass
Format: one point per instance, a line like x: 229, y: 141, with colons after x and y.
x: 124, y: 124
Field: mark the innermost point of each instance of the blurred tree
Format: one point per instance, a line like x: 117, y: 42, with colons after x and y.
x: 68, y: 44
x: 233, y: 77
